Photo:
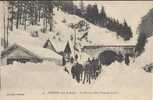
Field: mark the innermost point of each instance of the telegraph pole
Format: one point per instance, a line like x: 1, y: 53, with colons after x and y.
x: 7, y: 32
x: 4, y: 29
x: 5, y: 36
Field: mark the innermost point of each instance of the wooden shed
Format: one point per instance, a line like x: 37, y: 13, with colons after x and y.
x: 19, y: 54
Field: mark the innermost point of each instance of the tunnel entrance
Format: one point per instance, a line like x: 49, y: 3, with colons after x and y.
x: 108, y: 57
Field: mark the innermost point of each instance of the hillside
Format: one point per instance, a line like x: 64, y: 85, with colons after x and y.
x: 62, y: 32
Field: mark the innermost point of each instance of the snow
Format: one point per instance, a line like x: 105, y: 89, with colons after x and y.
x: 22, y: 37
x: 102, y: 36
x: 130, y: 82
x: 42, y: 52
x: 127, y: 81
x: 96, y: 34
x: 83, y: 58
x: 33, y: 44
x: 30, y: 76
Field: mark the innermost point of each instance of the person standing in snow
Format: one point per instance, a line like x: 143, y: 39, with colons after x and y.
x: 80, y: 71
x: 127, y: 60
x: 77, y: 71
x: 73, y: 71
x: 94, y: 67
x: 88, y: 72
x: 63, y: 61
x: 99, y: 68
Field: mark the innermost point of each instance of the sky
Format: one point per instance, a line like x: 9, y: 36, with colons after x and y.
x: 132, y: 11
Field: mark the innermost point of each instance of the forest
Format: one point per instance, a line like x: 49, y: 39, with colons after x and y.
x: 23, y: 13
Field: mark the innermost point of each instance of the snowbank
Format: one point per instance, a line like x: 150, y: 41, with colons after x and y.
x: 45, y: 76
x: 130, y: 82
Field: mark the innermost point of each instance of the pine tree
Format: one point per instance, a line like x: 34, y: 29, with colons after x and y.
x: 102, y: 17
x: 68, y: 6
x: 142, y: 39
x: 50, y: 13
x: 89, y: 13
x: 11, y: 14
x: 82, y: 8
x: 95, y: 14
x: 102, y: 12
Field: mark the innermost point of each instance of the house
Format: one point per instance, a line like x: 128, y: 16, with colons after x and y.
x: 48, y: 44
x: 19, y: 54
x: 28, y: 53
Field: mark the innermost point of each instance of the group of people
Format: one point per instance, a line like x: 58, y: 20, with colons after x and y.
x: 85, y: 73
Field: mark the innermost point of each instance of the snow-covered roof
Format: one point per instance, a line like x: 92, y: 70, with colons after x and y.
x: 38, y: 52
x: 48, y: 44
x: 59, y: 46
x: 42, y: 52
x: 11, y: 48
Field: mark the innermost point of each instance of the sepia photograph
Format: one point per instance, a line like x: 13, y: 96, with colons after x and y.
x: 101, y: 49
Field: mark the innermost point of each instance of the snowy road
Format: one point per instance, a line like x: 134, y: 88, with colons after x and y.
x: 118, y: 79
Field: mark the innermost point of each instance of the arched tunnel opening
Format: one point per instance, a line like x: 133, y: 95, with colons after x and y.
x: 108, y: 57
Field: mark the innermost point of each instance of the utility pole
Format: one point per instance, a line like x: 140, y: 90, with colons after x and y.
x: 4, y: 29
x: 7, y: 32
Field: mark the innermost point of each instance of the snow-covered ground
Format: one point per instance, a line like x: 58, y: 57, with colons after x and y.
x: 129, y: 82
x: 35, y: 76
